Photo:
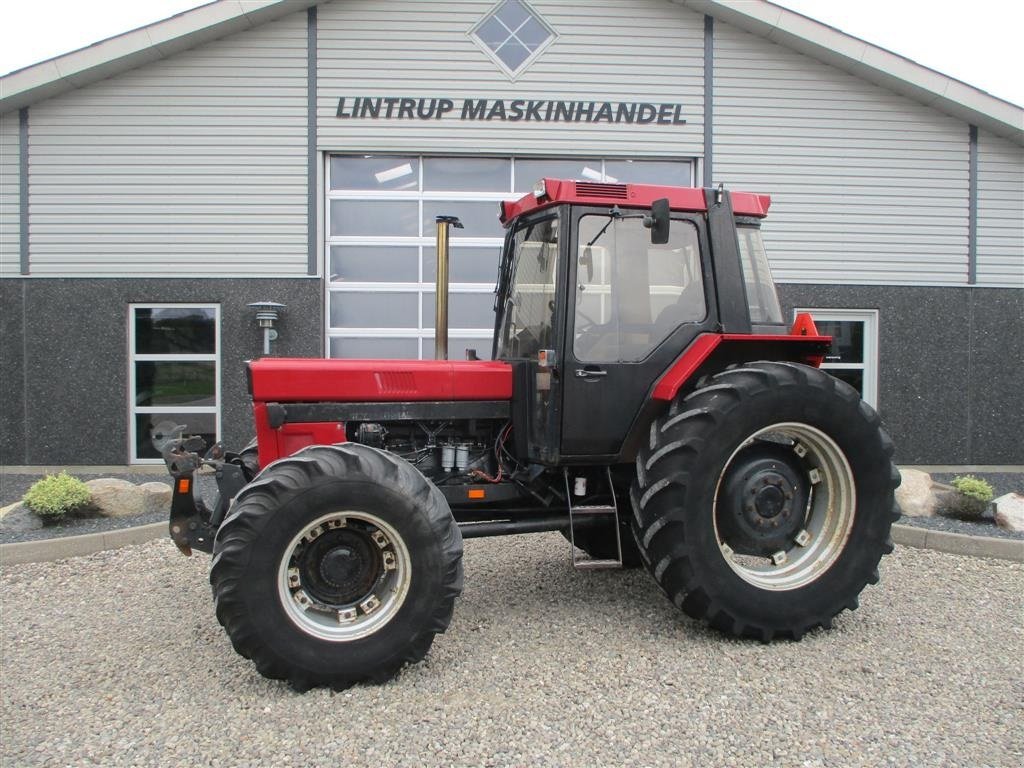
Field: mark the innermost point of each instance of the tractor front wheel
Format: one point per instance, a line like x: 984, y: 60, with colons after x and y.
x: 337, y: 565
x: 764, y: 500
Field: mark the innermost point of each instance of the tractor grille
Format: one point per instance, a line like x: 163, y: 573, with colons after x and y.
x: 607, y: 191
x: 395, y: 383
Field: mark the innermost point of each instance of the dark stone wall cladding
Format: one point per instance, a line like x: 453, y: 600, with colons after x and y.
x: 951, y: 367
x: 64, y: 351
x: 950, y: 389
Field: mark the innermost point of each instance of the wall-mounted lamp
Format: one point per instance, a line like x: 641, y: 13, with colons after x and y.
x: 267, y: 313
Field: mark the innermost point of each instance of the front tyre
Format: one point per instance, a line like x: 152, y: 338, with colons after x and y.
x: 338, y: 565
x: 764, y: 500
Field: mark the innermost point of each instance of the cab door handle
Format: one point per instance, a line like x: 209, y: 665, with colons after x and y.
x: 590, y: 373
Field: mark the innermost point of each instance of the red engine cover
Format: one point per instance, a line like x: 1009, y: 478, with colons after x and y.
x: 285, y: 380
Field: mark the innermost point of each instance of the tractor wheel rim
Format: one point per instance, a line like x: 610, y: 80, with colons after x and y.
x: 344, y: 576
x: 827, y: 520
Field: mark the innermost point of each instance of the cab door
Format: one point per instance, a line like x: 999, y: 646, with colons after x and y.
x: 632, y: 308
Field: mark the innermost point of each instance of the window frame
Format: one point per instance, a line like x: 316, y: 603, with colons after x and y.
x: 870, y: 364
x: 136, y: 357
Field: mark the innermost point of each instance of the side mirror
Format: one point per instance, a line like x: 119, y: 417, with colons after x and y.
x: 658, y: 221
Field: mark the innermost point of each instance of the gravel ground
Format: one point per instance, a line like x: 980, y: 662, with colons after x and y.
x: 986, y: 527
x: 116, y: 659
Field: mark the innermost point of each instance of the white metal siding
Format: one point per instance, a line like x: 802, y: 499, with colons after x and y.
x: 1000, y: 212
x: 605, y: 51
x: 867, y: 186
x: 195, y: 165
x: 10, y: 243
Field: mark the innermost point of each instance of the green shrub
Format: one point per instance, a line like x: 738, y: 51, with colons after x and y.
x: 972, y: 497
x: 57, y: 496
x: 975, y: 487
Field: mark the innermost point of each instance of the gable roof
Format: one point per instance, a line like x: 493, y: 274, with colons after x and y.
x: 129, y: 50
x: 868, y: 62
x: 759, y: 17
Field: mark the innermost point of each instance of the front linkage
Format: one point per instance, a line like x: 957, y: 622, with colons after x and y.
x: 193, y: 525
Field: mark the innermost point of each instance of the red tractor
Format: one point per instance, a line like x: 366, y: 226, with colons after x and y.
x: 645, y: 399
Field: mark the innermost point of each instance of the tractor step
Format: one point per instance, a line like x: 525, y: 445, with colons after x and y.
x: 596, y: 565
x: 579, y: 559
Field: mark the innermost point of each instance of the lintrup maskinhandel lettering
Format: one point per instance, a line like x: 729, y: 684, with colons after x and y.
x: 512, y: 111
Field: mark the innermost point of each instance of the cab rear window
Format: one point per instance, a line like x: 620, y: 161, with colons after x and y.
x: 757, y: 276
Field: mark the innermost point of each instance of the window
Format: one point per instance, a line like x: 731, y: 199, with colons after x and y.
x: 757, y: 277
x: 513, y: 34
x: 381, y: 236
x: 630, y: 294
x: 854, y: 354
x: 174, y: 375
x: 530, y: 315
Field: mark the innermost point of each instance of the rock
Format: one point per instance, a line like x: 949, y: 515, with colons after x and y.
x: 959, y: 506
x: 117, y: 498
x: 915, y: 495
x: 1010, y: 512
x: 157, y: 497
x: 21, y: 519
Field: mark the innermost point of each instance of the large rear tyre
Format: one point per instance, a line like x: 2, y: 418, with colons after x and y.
x: 764, y: 500
x: 338, y: 565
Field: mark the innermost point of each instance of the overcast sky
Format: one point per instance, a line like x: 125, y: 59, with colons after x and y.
x: 977, y: 42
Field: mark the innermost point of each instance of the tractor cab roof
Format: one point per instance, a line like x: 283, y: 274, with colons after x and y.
x: 550, y: 192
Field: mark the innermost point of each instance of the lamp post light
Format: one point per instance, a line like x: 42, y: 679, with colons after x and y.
x: 267, y: 313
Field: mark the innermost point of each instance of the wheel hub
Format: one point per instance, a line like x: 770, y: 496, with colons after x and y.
x: 340, y: 567
x: 764, y: 500
x: 771, y: 500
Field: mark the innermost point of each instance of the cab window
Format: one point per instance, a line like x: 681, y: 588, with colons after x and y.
x: 630, y: 294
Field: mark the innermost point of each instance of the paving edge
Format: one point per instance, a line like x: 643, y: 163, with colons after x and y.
x: 46, y: 550
x: 958, y: 543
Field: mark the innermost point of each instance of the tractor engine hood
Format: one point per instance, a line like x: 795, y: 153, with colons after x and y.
x: 317, y: 380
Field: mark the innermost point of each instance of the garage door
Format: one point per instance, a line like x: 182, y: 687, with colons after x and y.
x: 381, y: 257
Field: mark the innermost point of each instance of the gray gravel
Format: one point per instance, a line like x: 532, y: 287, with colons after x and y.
x: 116, y: 659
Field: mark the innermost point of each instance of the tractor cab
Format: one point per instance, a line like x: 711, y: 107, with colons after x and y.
x: 600, y: 288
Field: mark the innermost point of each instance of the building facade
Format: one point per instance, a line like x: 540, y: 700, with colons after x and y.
x: 156, y: 184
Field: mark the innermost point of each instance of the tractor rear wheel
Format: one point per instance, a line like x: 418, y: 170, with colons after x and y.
x: 764, y: 500
x: 337, y: 565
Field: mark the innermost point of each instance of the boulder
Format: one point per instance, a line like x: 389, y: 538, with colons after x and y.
x: 1010, y: 512
x: 959, y: 506
x: 20, y: 519
x: 915, y: 496
x: 117, y: 498
x: 157, y: 497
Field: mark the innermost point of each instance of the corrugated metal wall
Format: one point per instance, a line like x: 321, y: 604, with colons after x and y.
x: 606, y: 51
x: 10, y: 243
x: 195, y: 165
x: 1000, y: 212
x: 867, y: 186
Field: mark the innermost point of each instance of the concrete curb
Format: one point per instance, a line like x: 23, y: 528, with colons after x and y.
x: 47, y: 550
x: 958, y: 543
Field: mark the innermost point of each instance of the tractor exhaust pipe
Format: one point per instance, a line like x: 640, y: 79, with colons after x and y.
x: 441, y: 290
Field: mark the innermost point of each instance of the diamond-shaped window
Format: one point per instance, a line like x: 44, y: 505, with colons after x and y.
x: 513, y: 34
